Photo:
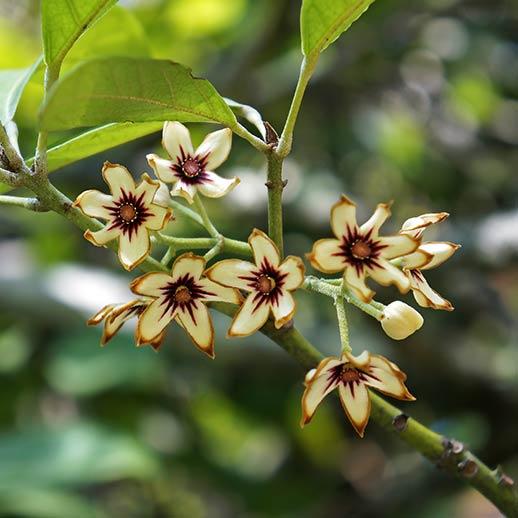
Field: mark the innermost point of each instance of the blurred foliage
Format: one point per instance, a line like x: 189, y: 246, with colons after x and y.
x: 418, y: 102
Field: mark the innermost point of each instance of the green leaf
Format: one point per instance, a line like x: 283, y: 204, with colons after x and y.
x: 249, y: 113
x: 12, y: 84
x: 322, y: 22
x: 132, y: 90
x: 63, y: 22
x: 97, y: 140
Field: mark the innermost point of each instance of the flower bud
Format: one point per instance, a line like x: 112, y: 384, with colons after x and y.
x: 400, y: 320
x: 162, y: 196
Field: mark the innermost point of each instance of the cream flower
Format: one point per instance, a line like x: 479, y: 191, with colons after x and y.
x: 429, y: 255
x: 352, y: 375
x: 130, y: 212
x: 269, y: 282
x: 360, y: 252
x: 189, y: 170
x: 116, y: 315
x: 181, y: 296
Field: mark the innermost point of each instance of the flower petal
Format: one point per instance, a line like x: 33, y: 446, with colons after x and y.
x: 397, y: 245
x: 117, y: 318
x: 283, y: 309
x: 294, y: 269
x: 184, y: 190
x: 101, y: 237
x: 325, y: 256
x: 94, y: 204
x: 148, y: 187
x: 100, y: 315
x: 356, y: 282
x: 317, y: 387
x: 440, y: 250
x: 150, y: 284
x: 214, y: 186
x: 381, y: 376
x: 249, y: 318
x: 199, y: 327
x: 356, y: 404
x: 417, y: 225
x: 386, y: 273
x: 133, y: 250
x: 343, y: 216
x: 118, y: 178
x: 263, y: 248
x: 153, y: 321
x: 424, y: 295
x: 175, y: 138
x: 416, y: 260
x: 188, y: 264
x: 233, y: 272
x: 158, y: 218
x: 379, y: 217
x: 216, y: 146
x: 218, y: 292
x: 162, y: 168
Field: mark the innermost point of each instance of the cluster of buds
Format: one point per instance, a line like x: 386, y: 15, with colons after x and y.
x: 261, y: 289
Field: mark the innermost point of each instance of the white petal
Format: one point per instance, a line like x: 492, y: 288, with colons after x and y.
x: 101, y: 237
x: 162, y: 168
x: 343, y: 217
x: 249, y: 318
x: 233, y: 272
x: 94, y: 204
x: 150, y: 284
x: 326, y: 256
x: 386, y: 274
x: 148, y: 187
x: 283, y: 309
x: 158, y: 218
x: 214, y: 186
x: 417, y: 225
x: 424, y: 295
x: 216, y: 292
x: 264, y: 248
x: 318, y: 386
x: 175, y: 138
x: 152, y: 321
x: 416, y: 260
x: 440, y: 250
x: 118, y: 178
x: 379, y: 217
x: 397, y: 245
x: 184, y: 190
x: 293, y: 268
x: 216, y: 146
x: 199, y: 328
x: 188, y: 264
x: 133, y: 250
x: 117, y: 318
x: 356, y: 282
x: 381, y: 376
x: 357, y: 404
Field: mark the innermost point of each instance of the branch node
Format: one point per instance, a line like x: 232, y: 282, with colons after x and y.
x: 468, y: 468
x: 272, y: 138
x: 503, y: 479
x: 400, y: 422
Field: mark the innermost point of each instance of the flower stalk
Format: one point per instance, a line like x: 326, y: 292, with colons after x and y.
x: 275, y: 185
x: 343, y: 325
x: 207, y: 223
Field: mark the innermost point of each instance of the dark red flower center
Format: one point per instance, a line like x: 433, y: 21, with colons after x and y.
x: 127, y: 212
x: 182, y: 295
x: 265, y: 284
x: 361, y: 250
x: 350, y: 375
x: 191, y: 167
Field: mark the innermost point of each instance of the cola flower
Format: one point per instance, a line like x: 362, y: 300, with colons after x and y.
x: 353, y: 376
x: 359, y: 252
x: 182, y: 296
x: 430, y: 254
x: 192, y: 170
x: 268, y: 281
x: 116, y: 315
x: 130, y: 212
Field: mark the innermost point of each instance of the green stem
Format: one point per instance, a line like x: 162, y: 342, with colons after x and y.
x: 170, y: 253
x: 242, y: 132
x: 27, y: 203
x: 306, y: 71
x: 343, y: 325
x: 186, y: 211
x: 230, y: 246
x: 207, y: 223
x: 216, y: 249
x: 275, y: 185
x: 16, y: 162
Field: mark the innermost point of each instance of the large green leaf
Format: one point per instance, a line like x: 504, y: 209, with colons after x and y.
x: 12, y: 83
x: 63, y: 22
x: 322, y: 22
x: 132, y: 90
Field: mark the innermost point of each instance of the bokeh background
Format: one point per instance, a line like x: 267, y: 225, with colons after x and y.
x: 417, y: 102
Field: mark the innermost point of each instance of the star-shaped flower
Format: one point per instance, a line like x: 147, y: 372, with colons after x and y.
x: 181, y: 295
x: 269, y: 283
x: 429, y: 255
x: 130, y: 213
x: 189, y: 170
x: 360, y: 252
x: 116, y: 315
x: 352, y: 376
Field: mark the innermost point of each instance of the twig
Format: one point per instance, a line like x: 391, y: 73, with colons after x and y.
x: 27, y: 203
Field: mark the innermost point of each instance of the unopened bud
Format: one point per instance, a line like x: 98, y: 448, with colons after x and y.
x: 399, y: 320
x: 162, y: 196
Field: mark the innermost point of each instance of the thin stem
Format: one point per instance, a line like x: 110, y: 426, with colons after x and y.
x: 259, y: 144
x: 9, y: 178
x: 186, y: 211
x: 343, y: 325
x: 216, y: 249
x: 207, y: 223
x: 306, y: 71
x: 170, y: 253
x: 27, y: 203
x: 275, y: 185
x: 231, y: 246
x: 16, y: 162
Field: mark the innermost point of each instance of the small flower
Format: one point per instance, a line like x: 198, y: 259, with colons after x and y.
x: 427, y: 256
x: 191, y: 171
x: 130, y: 212
x: 268, y: 281
x: 360, y: 252
x: 116, y: 315
x: 352, y: 375
x: 181, y: 296
x: 399, y: 320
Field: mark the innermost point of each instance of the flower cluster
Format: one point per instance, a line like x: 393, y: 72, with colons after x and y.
x: 262, y: 289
